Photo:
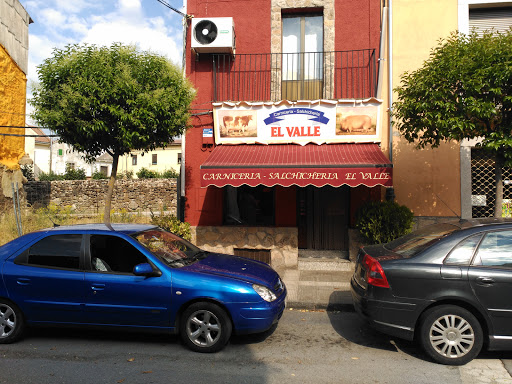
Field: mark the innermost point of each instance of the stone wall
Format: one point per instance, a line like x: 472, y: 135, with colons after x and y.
x: 88, y: 196
x: 282, y: 242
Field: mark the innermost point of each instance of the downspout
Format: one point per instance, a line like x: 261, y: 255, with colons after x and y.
x: 390, y: 76
x: 180, y: 214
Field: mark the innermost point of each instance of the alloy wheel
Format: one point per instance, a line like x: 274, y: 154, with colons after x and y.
x: 451, y: 336
x: 7, y: 321
x: 203, y: 328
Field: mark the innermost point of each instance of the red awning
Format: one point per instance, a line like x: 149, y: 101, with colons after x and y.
x: 292, y: 164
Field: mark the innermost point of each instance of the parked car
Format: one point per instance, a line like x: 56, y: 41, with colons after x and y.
x: 137, y: 276
x: 447, y: 285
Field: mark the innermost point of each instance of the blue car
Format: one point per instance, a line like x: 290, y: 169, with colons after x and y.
x: 136, y: 276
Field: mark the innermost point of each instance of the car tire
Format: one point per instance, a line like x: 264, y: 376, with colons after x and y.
x: 205, y: 327
x: 12, y: 323
x: 451, y: 335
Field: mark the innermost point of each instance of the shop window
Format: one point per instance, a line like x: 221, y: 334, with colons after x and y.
x: 134, y: 159
x: 249, y: 205
x: 302, y: 65
x: 154, y: 159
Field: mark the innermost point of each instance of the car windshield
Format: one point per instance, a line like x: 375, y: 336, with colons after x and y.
x: 170, y: 248
x: 415, y: 242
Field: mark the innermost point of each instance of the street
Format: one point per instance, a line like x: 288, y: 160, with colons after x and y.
x: 306, y: 347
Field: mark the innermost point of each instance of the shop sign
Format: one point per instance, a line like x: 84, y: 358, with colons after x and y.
x: 300, y: 122
x: 301, y: 177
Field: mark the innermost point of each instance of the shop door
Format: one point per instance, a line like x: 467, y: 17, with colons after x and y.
x: 323, y: 217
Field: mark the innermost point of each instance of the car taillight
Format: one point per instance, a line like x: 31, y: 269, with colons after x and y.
x: 374, y: 273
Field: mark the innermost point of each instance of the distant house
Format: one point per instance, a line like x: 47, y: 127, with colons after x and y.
x: 63, y: 156
x: 159, y: 160
x: 38, y: 149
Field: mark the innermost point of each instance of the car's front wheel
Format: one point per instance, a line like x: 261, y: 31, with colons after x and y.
x: 451, y: 335
x: 12, y: 323
x: 205, y: 327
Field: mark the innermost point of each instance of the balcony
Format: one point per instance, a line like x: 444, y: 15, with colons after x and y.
x: 295, y: 76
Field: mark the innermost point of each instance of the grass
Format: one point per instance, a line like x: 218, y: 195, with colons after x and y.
x: 35, y: 219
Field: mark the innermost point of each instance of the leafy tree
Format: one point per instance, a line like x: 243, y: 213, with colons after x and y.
x: 111, y: 99
x: 463, y: 91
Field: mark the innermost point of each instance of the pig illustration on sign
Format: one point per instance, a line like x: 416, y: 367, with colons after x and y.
x: 355, y: 123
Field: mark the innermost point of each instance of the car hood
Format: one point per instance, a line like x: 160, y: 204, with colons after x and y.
x: 235, y: 267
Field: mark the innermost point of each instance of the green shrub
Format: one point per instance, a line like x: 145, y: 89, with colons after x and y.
x: 50, y: 176
x: 97, y: 175
x: 172, y: 224
x: 128, y: 175
x: 147, y: 174
x: 74, y: 173
x: 28, y: 171
x: 170, y: 174
x: 383, y: 221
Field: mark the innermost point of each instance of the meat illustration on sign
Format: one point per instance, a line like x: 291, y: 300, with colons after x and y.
x: 356, y: 120
x: 237, y: 124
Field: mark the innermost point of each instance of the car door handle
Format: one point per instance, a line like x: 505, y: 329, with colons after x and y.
x: 98, y: 287
x: 485, y: 280
x: 23, y: 281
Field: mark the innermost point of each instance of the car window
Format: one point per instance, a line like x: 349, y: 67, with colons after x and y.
x: 57, y: 251
x: 495, y: 250
x: 415, y: 242
x: 114, y: 254
x: 463, y: 252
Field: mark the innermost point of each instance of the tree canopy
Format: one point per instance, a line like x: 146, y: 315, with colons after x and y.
x: 463, y: 91
x: 111, y: 99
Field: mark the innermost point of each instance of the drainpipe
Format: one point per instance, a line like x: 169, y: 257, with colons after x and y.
x: 390, y: 76
x: 181, y: 193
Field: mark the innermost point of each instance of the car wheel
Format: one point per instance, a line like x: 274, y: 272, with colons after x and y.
x: 451, y: 335
x: 205, y: 327
x: 11, y: 322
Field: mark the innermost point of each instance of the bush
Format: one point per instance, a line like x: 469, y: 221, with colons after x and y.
x: 147, y: 174
x: 98, y: 175
x: 172, y: 224
x: 383, y: 221
x: 51, y: 176
x: 170, y: 174
x: 74, y: 174
x: 128, y: 175
x: 28, y: 171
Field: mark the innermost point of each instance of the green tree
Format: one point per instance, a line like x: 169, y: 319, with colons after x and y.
x: 463, y: 91
x: 111, y: 99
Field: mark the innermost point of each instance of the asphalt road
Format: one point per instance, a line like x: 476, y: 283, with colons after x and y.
x: 306, y: 347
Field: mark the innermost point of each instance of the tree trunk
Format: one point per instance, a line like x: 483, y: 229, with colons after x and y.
x: 498, y: 206
x: 110, y: 190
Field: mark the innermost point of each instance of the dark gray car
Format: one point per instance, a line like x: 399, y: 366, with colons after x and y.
x: 447, y: 285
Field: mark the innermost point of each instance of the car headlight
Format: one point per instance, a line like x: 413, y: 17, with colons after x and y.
x: 265, y: 293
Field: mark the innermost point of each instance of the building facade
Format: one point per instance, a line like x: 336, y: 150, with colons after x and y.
x: 289, y: 134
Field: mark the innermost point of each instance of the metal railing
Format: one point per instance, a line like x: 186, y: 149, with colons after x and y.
x: 295, y: 76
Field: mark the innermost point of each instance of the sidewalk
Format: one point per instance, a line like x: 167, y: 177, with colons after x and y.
x: 319, y: 283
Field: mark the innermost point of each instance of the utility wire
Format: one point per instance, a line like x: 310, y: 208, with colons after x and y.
x: 174, y: 9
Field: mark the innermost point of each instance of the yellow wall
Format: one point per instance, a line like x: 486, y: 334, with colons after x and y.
x: 12, y: 110
x: 428, y: 180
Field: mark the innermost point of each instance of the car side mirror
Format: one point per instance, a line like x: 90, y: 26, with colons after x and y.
x: 145, y: 269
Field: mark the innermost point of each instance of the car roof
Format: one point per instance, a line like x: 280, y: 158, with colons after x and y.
x: 98, y: 227
x: 483, y: 222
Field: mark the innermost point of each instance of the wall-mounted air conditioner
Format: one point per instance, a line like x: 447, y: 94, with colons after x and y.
x: 213, y: 35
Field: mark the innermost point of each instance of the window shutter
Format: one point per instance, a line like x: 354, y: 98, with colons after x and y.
x: 490, y: 19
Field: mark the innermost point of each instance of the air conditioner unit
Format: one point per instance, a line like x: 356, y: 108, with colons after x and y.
x: 213, y: 35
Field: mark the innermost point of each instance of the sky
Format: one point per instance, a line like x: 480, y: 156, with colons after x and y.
x: 146, y: 23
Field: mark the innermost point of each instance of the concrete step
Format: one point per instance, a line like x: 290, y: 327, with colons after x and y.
x: 325, y: 264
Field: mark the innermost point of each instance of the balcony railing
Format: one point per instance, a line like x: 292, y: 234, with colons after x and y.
x: 295, y: 76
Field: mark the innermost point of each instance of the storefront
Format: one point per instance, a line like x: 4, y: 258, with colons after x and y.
x: 291, y: 175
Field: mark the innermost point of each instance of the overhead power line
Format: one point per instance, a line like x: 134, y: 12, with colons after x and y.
x: 174, y: 9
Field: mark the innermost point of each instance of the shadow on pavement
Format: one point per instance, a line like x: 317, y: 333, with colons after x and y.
x: 347, y: 323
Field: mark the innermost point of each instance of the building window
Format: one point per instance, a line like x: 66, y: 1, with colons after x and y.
x: 179, y: 158
x: 302, y: 65
x: 134, y: 159
x: 59, y: 152
x: 154, y: 159
x: 249, y: 205
x: 70, y: 166
x: 104, y: 170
